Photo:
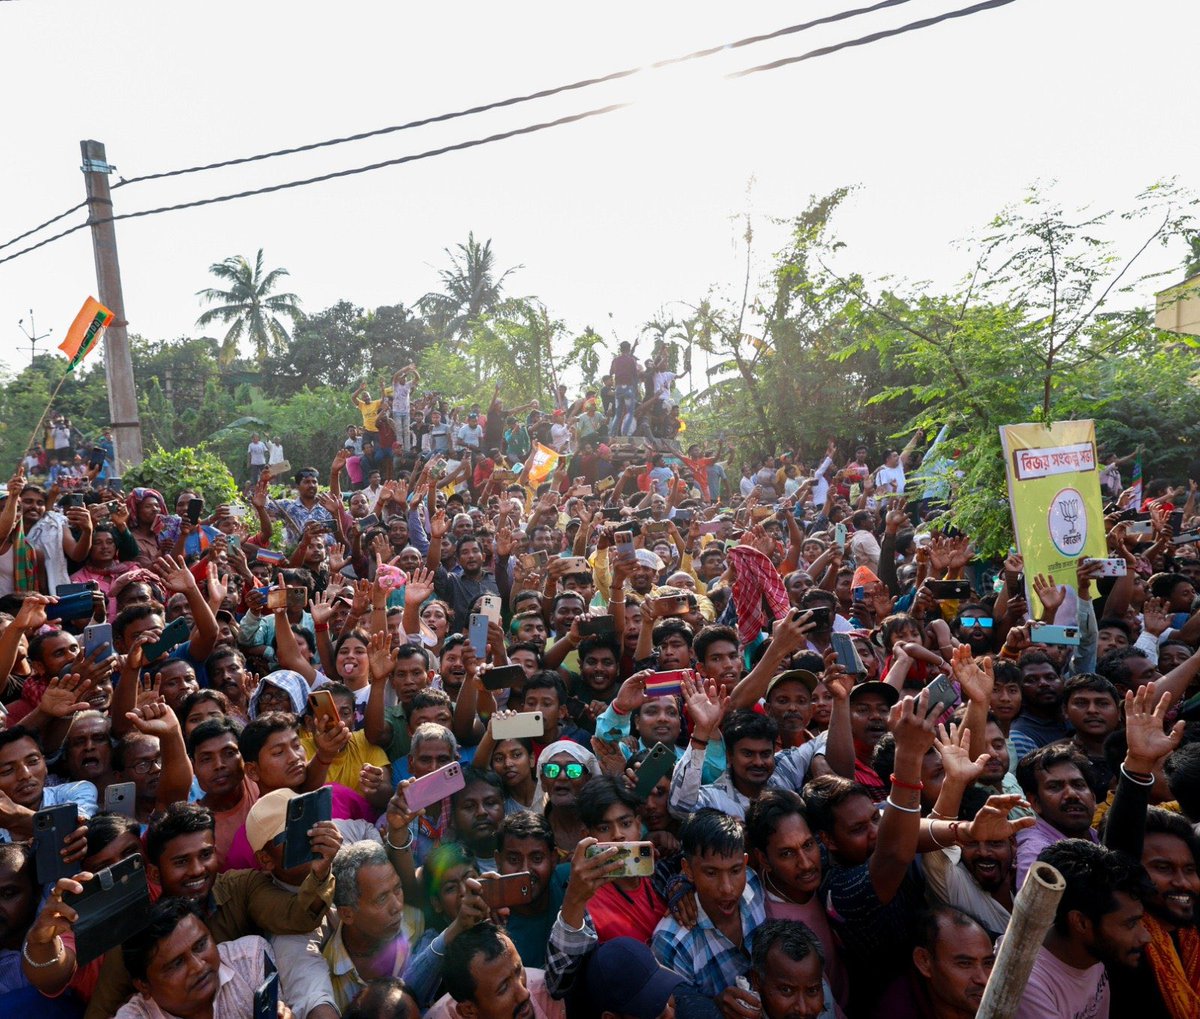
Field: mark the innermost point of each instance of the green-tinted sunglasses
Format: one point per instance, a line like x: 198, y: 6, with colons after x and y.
x: 552, y: 770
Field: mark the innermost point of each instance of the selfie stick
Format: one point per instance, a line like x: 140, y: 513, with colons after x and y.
x: 1033, y: 912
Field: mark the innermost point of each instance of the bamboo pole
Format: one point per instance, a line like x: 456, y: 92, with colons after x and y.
x: 1032, y: 915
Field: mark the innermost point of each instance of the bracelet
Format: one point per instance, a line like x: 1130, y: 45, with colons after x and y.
x: 58, y: 954
x: 934, y: 839
x: 1009, y: 656
x: 934, y: 815
x: 919, y: 787
x: 618, y: 711
x: 321, y: 627
x: 954, y: 826
x: 1137, y: 778
x: 906, y: 810
x: 399, y: 849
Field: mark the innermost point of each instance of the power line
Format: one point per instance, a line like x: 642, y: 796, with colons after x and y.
x: 530, y: 97
x: 503, y: 135
x: 483, y: 108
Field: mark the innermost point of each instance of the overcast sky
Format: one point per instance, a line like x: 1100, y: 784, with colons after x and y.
x: 613, y: 218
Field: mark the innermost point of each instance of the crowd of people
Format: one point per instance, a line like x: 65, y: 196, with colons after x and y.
x: 627, y: 740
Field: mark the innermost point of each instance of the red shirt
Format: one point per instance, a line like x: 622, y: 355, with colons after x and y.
x: 621, y: 914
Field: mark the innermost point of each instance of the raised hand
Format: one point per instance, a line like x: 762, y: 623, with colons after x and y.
x: 1049, y: 594
x: 331, y: 740
x: 705, y: 706
x: 612, y: 761
x: 64, y: 695
x: 217, y: 590
x: 32, y: 614
x: 975, y: 679
x: 325, y: 840
x: 154, y: 718
x: 632, y: 694
x: 438, y: 525
x: 955, y: 750
x: 381, y: 656
x: 1149, y: 744
x: 176, y: 577
x: 337, y: 558
x: 991, y: 824
x: 910, y: 724
x: 1154, y: 616
x: 321, y: 608
x: 399, y: 816
x: 504, y: 542
x: 896, y: 517
x: 419, y: 586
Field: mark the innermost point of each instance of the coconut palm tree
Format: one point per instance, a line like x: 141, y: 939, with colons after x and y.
x: 249, y: 307
x: 470, y: 289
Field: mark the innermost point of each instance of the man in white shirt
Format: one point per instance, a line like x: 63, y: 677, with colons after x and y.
x: 256, y: 456
x: 274, y: 452
x: 470, y: 435
x: 560, y: 433
x: 889, y: 479
x: 403, y: 383
x: 863, y: 545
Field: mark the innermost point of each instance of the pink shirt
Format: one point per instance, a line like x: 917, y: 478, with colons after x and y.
x: 346, y: 804
x: 1058, y: 991
x: 544, y: 1006
x: 812, y: 914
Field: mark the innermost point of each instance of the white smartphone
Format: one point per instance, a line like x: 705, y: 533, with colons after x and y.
x: 489, y: 605
x: 524, y: 725
x: 1109, y: 567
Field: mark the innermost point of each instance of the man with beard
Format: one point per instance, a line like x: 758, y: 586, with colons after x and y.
x: 1054, y: 780
x: 973, y: 626
x: 460, y: 591
x: 1040, y: 721
x: 787, y: 858
x: 599, y: 678
x: 23, y: 789
x: 299, y: 511
x: 1098, y: 923
x: 789, y: 702
x: 51, y: 536
x: 486, y: 978
x: 387, y: 727
x: 1166, y: 982
x: 951, y: 963
x: 478, y: 809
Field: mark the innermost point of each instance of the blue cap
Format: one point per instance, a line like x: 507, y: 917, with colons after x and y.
x: 624, y: 977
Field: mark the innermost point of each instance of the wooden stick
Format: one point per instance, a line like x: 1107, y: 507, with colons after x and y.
x: 1032, y: 915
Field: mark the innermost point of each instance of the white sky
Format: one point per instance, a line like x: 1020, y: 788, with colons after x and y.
x: 617, y: 216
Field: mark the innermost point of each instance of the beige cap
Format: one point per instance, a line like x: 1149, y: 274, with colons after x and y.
x: 268, y: 817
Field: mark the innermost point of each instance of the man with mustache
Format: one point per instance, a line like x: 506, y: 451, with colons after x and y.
x: 1054, y: 780
x: 486, y: 979
x: 179, y: 969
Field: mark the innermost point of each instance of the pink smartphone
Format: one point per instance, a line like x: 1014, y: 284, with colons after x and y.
x: 437, y: 785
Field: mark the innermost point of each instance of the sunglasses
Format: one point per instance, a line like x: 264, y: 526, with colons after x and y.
x: 983, y: 622
x: 552, y: 770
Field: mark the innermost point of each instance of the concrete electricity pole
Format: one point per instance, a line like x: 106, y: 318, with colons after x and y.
x: 118, y: 364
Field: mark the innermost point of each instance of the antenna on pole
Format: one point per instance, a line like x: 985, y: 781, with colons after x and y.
x: 31, y: 334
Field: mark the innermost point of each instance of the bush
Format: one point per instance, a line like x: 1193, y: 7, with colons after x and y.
x: 172, y: 471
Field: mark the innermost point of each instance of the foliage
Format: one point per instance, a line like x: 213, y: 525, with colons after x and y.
x: 471, y: 289
x: 249, y: 306
x: 172, y: 471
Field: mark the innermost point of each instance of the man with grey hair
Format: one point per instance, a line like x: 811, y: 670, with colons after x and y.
x: 433, y: 747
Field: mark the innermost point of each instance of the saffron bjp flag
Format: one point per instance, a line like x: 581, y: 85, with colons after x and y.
x: 542, y: 462
x: 85, y: 331
x: 1054, y: 494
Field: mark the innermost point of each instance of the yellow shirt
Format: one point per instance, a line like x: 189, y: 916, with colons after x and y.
x: 348, y: 766
x: 370, y: 411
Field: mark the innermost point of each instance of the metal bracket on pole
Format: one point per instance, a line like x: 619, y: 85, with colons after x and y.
x: 97, y: 166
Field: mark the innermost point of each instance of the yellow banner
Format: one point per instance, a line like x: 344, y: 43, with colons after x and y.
x: 542, y: 462
x: 1054, y: 492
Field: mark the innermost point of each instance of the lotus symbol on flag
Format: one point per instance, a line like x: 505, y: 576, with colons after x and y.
x: 1067, y: 522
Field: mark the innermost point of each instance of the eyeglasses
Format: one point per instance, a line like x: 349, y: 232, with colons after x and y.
x: 552, y: 770
x: 983, y: 622
x: 145, y: 767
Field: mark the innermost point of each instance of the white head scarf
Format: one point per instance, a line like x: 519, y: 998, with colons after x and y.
x: 562, y: 746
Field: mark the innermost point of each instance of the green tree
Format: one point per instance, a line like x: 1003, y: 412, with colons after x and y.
x: 471, y: 289
x: 170, y: 471
x: 249, y: 306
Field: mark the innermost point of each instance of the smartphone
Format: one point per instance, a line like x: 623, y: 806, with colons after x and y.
x: 266, y: 997
x: 683, y: 518
x: 72, y: 500
x: 1109, y: 567
x: 524, y: 725
x: 1044, y: 633
x: 672, y: 605
x: 597, y: 626
x: 503, y: 678
x: 583, y: 490
x: 604, y: 484
x: 847, y: 654
x: 710, y: 526
x: 95, y: 636
x: 63, y: 590
x: 949, y: 589
x: 576, y: 564
x: 942, y: 696
x: 277, y: 597
x: 194, y: 509
x: 111, y: 908
x: 624, y: 543
x: 660, y: 761
x: 653, y: 527
x: 667, y: 684
x: 51, y: 826
x: 506, y: 889
x: 638, y: 857
x: 324, y: 708
x: 172, y: 636
x: 370, y: 520
x: 764, y: 512
x: 1175, y: 521
x: 302, y: 813
x: 73, y: 606
x: 1184, y: 538
x: 534, y: 562
x: 437, y: 785
x: 1015, y: 585
x: 822, y: 616
x: 236, y: 511
x: 489, y: 605
x: 1143, y: 528
x: 611, y: 513
x: 269, y: 556
x: 858, y: 594
x: 477, y: 633
x: 839, y: 536
x: 121, y: 798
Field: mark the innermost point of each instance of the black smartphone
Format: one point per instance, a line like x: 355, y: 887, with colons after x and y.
x: 62, y: 590
x: 949, y: 589
x: 172, y: 636
x: 266, y: 997
x: 658, y: 762
x: 194, y: 508
x: 597, y: 625
x: 111, y: 908
x: 302, y: 813
x: 683, y: 518
x: 72, y: 500
x: 847, y: 654
x: 503, y: 678
x: 370, y: 520
x: 822, y: 615
x: 51, y: 826
x: 942, y: 696
x: 611, y: 513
